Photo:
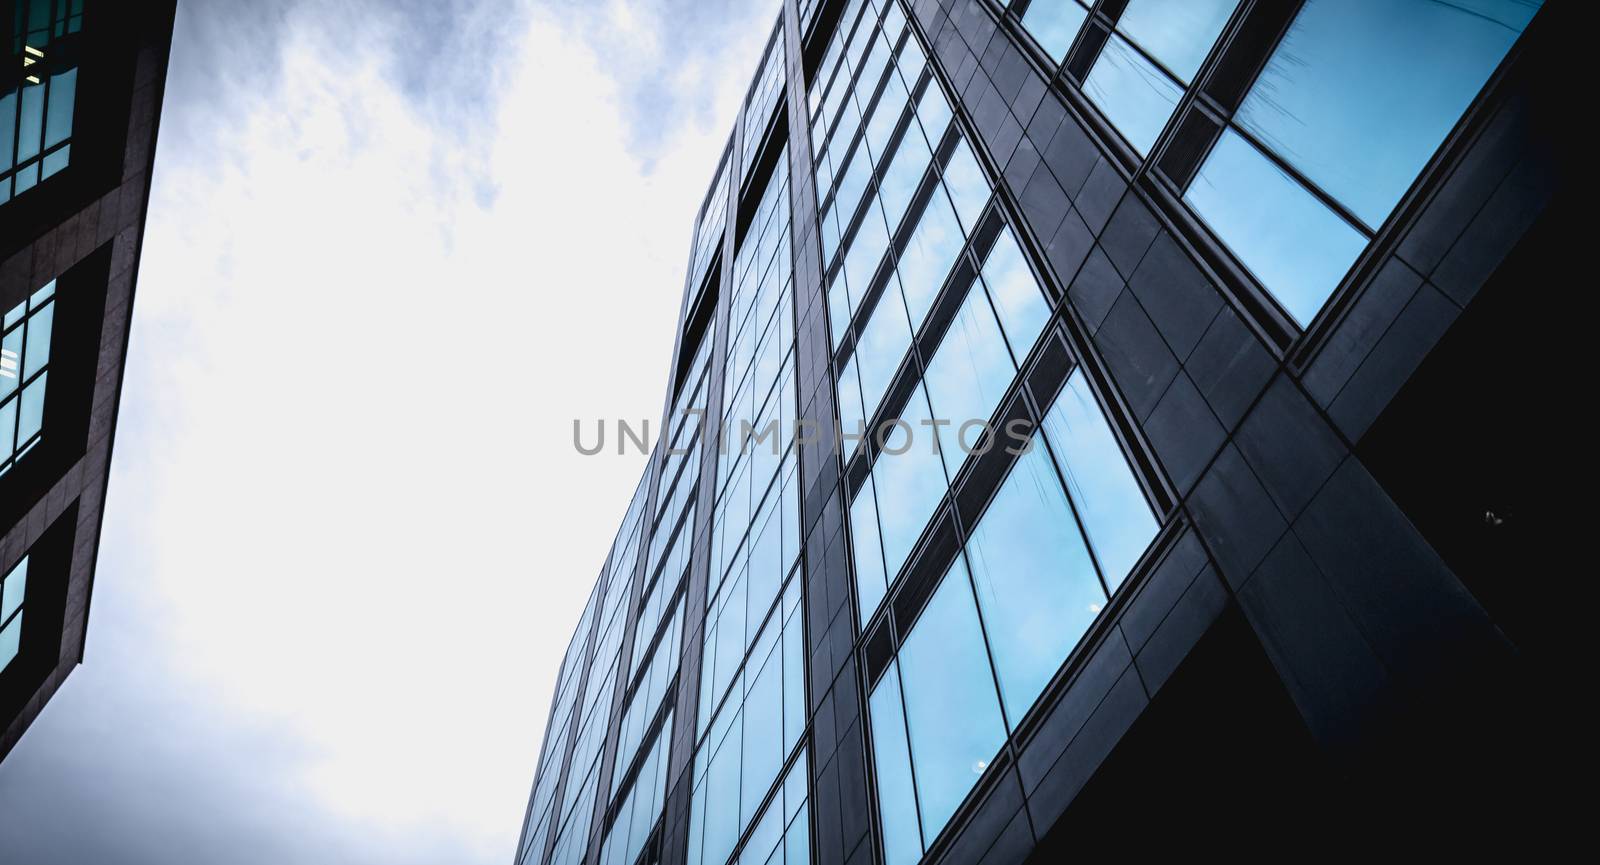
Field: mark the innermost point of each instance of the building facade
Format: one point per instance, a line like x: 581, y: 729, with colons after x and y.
x: 1243, y: 276
x: 78, y: 117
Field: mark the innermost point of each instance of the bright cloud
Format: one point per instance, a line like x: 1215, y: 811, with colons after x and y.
x: 348, y: 534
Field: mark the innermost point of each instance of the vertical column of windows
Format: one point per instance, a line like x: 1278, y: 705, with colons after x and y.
x: 752, y: 700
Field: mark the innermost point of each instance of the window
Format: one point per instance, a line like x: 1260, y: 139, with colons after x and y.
x: 1177, y: 33
x: 929, y: 255
x: 641, y: 808
x: 1004, y: 618
x: 763, y: 97
x: 1112, y: 506
x: 1016, y: 294
x: 1316, y: 103
x: 967, y: 376
x: 1055, y: 23
x: 782, y: 836
x: 38, y: 97
x: 910, y: 484
x: 13, y: 588
x: 1132, y: 93
x: 884, y: 340
x: 1355, y: 100
x: 936, y: 721
x: 1036, y: 584
x: 24, y: 358
x: 1137, y: 89
x: 744, y: 745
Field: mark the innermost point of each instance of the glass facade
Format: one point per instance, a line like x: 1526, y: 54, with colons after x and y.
x: 752, y: 708
x: 1313, y: 160
x: 24, y: 374
x: 914, y: 605
x: 37, y: 101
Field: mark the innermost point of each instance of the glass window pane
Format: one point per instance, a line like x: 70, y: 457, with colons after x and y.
x: 968, y: 375
x: 867, y: 551
x: 10, y: 640
x: 865, y: 253
x: 1135, y: 96
x: 1017, y: 298
x: 1178, y: 33
x: 31, y: 123
x: 933, y: 112
x: 910, y: 485
x: 1315, y: 106
x: 763, y: 734
x: 952, y: 712
x: 1109, y: 499
x: 63, y: 94
x: 722, y: 798
x: 883, y: 345
x: 839, y: 308
x: 969, y: 189
x: 1054, y: 23
x: 891, y: 104
x: 904, y: 175
x: 31, y: 413
x: 1295, y: 245
x: 8, y: 429
x: 11, y: 349
x: 851, y: 417
x: 1037, y: 588
x: 851, y: 185
x: 39, y: 325
x: 933, y: 248
x: 8, y: 131
x: 14, y: 589
x: 902, y: 839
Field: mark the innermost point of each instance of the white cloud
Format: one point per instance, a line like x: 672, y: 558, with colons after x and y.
x: 345, y: 507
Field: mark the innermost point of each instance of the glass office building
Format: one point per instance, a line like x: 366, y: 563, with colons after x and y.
x: 1062, y: 439
x: 78, y: 117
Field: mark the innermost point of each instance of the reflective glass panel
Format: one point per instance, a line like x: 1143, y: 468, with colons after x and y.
x: 952, y: 712
x: 1036, y: 585
x: 1297, y: 247
x: 1178, y: 33
x: 1109, y: 499
x: 967, y: 376
x: 1054, y: 23
x: 1360, y: 93
x: 1135, y: 96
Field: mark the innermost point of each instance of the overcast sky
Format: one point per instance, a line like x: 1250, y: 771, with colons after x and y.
x: 393, y: 250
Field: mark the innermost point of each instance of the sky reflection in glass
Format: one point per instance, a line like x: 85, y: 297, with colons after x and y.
x: 1135, y: 96
x: 1109, y: 499
x: 952, y: 714
x: 1295, y: 245
x: 1035, y: 582
x: 1177, y: 33
x: 1054, y: 24
x: 1360, y: 93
